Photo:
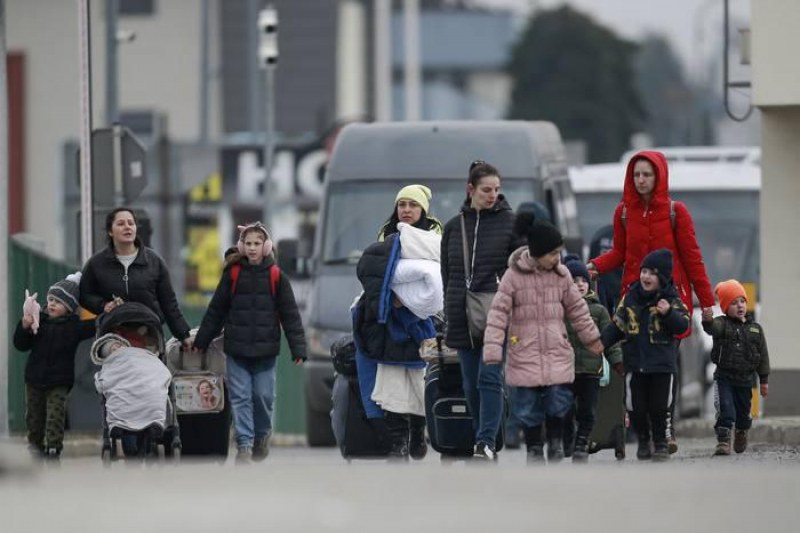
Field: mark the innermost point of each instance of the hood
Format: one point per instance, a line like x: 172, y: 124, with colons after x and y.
x: 591, y: 297
x: 500, y: 205
x: 661, y: 192
x: 602, y: 240
x: 521, y: 261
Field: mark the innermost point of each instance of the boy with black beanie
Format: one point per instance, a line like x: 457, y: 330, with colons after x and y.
x: 49, y: 373
x: 648, y: 319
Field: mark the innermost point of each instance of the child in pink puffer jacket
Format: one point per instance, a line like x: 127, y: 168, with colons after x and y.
x: 534, y: 296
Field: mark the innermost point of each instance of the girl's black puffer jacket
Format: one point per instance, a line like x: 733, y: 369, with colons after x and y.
x: 496, y: 241
x: 251, y: 316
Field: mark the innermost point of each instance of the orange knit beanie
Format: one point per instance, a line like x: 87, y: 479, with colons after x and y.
x: 727, y: 292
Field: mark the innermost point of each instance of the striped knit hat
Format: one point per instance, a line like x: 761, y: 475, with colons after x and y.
x: 67, y: 292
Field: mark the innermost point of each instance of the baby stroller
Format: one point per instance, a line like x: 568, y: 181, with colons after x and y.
x: 138, y: 398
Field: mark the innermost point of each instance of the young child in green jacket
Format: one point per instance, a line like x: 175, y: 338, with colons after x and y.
x: 588, y: 367
x: 739, y: 351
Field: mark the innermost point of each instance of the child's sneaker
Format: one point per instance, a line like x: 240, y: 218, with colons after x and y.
x: 484, y: 451
x: 580, y: 453
x: 260, y: 449
x: 739, y: 441
x: 644, y: 451
x: 661, y: 452
x: 244, y: 455
x: 535, y: 454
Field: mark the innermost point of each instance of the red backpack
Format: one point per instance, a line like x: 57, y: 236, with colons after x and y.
x: 274, y: 278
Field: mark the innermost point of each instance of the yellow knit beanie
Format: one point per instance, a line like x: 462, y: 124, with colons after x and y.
x: 419, y: 193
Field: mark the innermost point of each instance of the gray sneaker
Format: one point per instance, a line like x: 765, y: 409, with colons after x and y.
x: 261, y: 449
x: 244, y: 455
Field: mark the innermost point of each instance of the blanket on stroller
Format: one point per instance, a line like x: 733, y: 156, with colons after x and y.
x: 135, y: 385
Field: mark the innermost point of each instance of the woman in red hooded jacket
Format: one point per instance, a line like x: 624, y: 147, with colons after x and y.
x: 647, y: 219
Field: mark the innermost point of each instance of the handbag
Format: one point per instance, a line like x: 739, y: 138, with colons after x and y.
x: 477, y: 303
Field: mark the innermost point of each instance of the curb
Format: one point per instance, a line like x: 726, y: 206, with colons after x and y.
x: 783, y: 431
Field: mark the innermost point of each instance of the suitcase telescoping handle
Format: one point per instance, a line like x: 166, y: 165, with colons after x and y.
x: 203, y: 358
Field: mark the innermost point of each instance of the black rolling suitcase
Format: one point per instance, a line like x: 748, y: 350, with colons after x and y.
x: 609, y: 426
x: 202, y: 403
x: 356, y: 435
x: 447, y: 414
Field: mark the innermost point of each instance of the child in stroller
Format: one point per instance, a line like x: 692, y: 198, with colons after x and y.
x: 135, y: 384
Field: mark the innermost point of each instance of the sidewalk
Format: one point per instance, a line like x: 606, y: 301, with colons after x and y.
x: 772, y: 430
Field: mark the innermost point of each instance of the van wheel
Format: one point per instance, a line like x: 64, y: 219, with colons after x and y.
x: 318, y: 429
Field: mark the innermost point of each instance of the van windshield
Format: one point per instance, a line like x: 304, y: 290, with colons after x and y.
x: 356, y: 210
x: 726, y: 224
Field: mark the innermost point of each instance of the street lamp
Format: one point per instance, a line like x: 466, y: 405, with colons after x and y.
x: 268, y: 61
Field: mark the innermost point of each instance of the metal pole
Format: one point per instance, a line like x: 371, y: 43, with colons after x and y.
x: 204, y: 73
x: 85, y: 69
x: 383, y: 60
x: 252, y: 71
x: 269, y: 144
x: 112, y: 111
x: 116, y: 146
x: 412, y: 68
x: 3, y: 224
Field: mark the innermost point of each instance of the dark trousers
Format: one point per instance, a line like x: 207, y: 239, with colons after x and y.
x: 586, y: 389
x: 45, y: 415
x: 647, y: 399
x: 732, y: 403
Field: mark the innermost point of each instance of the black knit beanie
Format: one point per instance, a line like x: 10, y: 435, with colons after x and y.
x: 577, y: 269
x: 660, y: 261
x: 543, y: 238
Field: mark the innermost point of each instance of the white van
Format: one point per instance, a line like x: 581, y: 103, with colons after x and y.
x: 721, y: 187
x: 369, y: 164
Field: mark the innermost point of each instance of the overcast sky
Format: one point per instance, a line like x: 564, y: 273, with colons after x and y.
x: 693, y: 26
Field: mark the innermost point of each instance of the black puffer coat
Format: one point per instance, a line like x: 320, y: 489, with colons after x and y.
x: 251, y: 315
x: 52, y: 359
x: 147, y: 283
x: 374, y: 337
x: 496, y: 241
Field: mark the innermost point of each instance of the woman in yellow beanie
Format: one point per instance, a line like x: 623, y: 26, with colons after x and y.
x: 411, y: 205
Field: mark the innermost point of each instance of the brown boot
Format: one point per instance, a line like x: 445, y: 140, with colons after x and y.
x: 740, y: 440
x: 723, y: 442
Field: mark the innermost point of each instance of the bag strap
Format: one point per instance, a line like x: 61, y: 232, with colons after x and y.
x: 465, y: 252
x: 235, y: 269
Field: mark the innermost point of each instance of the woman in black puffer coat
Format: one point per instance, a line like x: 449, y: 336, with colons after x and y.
x: 489, y: 223
x: 126, y: 270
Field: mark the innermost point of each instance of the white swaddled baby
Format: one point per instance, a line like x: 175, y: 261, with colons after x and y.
x: 417, y: 281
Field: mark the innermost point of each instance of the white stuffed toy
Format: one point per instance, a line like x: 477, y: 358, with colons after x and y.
x: 32, y: 309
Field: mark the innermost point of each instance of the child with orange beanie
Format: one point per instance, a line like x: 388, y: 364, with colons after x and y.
x: 739, y: 350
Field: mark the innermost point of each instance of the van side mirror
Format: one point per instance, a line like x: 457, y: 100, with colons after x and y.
x: 290, y: 262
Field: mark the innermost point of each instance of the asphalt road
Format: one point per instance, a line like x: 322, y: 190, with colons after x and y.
x: 311, y: 490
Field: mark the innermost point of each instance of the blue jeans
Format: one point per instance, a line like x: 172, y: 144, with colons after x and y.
x: 251, y: 389
x: 733, y: 405
x: 532, y: 405
x: 483, y: 387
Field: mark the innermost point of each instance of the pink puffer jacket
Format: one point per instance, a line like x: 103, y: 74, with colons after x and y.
x: 531, y: 304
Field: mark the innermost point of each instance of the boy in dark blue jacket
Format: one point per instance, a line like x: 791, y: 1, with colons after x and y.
x: 649, y: 317
x: 50, y: 371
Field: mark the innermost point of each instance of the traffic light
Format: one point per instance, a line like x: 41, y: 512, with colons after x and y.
x: 268, y: 37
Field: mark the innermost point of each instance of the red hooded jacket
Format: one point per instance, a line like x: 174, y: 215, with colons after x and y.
x: 648, y: 228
